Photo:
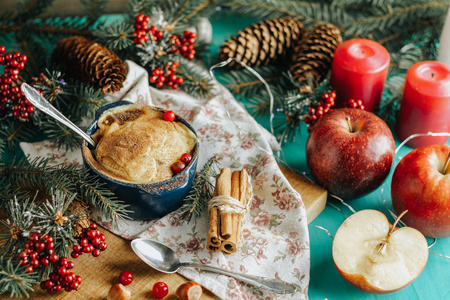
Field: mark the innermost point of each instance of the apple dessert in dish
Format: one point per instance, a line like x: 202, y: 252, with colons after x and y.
x: 136, y: 144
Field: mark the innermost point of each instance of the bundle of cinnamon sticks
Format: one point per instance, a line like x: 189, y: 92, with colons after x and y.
x: 225, y: 217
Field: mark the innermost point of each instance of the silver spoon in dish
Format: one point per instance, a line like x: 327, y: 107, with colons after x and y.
x: 164, y: 259
x: 35, y: 98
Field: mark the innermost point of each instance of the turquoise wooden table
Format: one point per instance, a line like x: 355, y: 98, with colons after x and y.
x: 326, y: 282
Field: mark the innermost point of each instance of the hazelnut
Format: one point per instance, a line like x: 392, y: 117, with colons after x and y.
x: 118, y: 292
x: 190, y: 290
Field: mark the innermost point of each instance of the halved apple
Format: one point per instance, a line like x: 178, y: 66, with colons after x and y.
x: 376, y: 257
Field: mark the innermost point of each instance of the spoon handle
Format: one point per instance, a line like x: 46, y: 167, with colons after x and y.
x: 274, y: 285
x: 43, y: 105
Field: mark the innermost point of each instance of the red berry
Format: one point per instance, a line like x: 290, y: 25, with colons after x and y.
x: 190, y: 56
x: 44, y: 261
x: 23, y: 254
x: 186, y: 158
x: 159, y: 84
x: 2, y: 49
x: 178, y: 166
x: 78, y: 279
x: 23, y: 262
x: 126, y: 277
x: 159, y: 34
x: 84, y: 242
x: 191, y: 41
x: 74, y: 254
x: 69, y: 278
x: 180, y: 80
x: 70, y: 265
x: 169, y: 116
x: 62, y: 271
x: 33, y: 237
x: 95, y: 241
x: 160, y: 290
x: 63, y: 261
x: 23, y: 58
x: 102, y: 246
x: 16, y: 55
x: 48, y: 284
x: 53, y: 258
x: 29, y: 269
x: 8, y: 56
x: 33, y: 255
x: 102, y: 237
x: 34, y: 263
x: 90, y: 234
x: 86, y: 249
x: 57, y: 288
x: 74, y: 285
x: 139, y: 18
x: 43, y: 285
x: 333, y: 95
x: 96, y: 253
x: 77, y: 248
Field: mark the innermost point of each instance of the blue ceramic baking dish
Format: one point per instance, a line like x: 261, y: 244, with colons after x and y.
x: 149, y: 200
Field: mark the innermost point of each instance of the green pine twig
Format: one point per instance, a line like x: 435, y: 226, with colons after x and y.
x: 14, y: 279
x: 200, y: 192
x: 197, y: 80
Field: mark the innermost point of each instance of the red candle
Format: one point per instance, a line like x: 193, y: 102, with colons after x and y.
x: 425, y: 105
x: 359, y: 71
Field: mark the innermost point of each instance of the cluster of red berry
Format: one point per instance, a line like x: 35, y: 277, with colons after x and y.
x: 38, y: 251
x: 141, y: 30
x: 317, y: 111
x: 181, y: 164
x: 91, y: 240
x: 12, y: 99
x: 168, y: 78
x: 352, y: 103
x: 186, y: 45
x: 61, y: 277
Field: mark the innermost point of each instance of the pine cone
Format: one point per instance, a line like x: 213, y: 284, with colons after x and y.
x: 313, y: 55
x: 262, y: 43
x: 91, y: 62
x: 84, y: 218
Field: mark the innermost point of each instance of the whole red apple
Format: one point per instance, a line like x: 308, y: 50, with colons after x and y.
x: 350, y: 152
x: 422, y: 186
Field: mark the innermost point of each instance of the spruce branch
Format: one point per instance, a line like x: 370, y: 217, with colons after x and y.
x: 59, y: 134
x: 14, y: 279
x: 201, y: 191
x: 115, y: 36
x: 69, y: 179
x: 197, y: 80
x: 54, y: 218
x: 12, y: 132
x: 15, y: 229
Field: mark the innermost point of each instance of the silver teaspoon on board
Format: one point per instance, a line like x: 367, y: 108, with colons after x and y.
x: 164, y: 259
x: 35, y: 98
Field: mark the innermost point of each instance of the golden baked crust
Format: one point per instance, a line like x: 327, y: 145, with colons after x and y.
x: 136, y: 144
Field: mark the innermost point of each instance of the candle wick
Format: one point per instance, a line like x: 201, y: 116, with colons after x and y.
x: 432, y: 75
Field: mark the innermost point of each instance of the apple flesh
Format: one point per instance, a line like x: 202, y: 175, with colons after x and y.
x: 350, y: 152
x: 375, y: 258
x: 422, y: 186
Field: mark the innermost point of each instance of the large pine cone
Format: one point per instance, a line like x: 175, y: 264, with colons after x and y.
x: 91, y: 62
x: 263, y: 43
x: 313, y: 56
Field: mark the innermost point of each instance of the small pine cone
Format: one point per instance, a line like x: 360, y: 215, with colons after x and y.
x: 91, y: 62
x: 263, y: 43
x: 83, y: 215
x: 313, y: 54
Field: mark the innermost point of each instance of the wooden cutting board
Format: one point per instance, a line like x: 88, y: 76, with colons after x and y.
x: 100, y: 273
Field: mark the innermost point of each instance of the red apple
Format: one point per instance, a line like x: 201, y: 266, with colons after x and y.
x: 350, y: 152
x: 375, y: 256
x: 422, y: 186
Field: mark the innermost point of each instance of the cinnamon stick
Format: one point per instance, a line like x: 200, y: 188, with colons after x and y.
x: 213, y: 243
x: 224, y: 189
x: 238, y: 191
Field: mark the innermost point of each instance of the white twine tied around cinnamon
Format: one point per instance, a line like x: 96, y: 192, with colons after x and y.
x: 228, y: 204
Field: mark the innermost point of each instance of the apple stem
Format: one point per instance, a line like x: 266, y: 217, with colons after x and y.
x: 348, y: 123
x: 395, y: 223
x: 447, y: 162
x: 381, y: 248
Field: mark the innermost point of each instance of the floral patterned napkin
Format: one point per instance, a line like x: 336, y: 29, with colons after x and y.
x: 275, y: 242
